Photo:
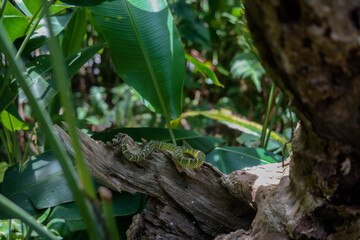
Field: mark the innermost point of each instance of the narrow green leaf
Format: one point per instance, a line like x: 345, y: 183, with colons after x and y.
x: 229, y: 159
x: 204, y: 70
x: 146, y: 50
x: 75, y: 32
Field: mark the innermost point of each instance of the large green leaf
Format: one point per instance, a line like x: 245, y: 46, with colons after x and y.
x: 40, y: 72
x: 75, y: 32
x: 40, y: 184
x: 146, y: 50
x: 229, y: 159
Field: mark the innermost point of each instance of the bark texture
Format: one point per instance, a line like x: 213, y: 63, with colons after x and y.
x: 311, y: 50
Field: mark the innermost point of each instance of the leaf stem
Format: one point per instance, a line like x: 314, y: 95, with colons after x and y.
x: 273, y: 119
x: 108, y: 211
x: 32, y: 29
x: 266, y: 121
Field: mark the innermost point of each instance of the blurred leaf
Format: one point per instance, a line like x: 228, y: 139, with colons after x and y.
x: 235, y: 121
x: 123, y: 204
x: 229, y: 159
x: 40, y: 72
x: 40, y: 184
x: 66, y: 211
x: 14, y: 22
x: 84, y: 3
x: 7, y: 94
x: 196, y: 139
x: 146, y: 50
x: 249, y: 140
x: 40, y: 36
x: 204, y: 70
x: 66, y: 228
x: 58, y: 23
x: 3, y: 167
x: 11, y: 120
x: 58, y: 8
x: 31, y: 5
x: 247, y: 65
x: 190, y: 28
x: 75, y: 32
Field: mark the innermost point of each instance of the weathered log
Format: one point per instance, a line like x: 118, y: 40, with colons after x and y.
x: 183, y: 203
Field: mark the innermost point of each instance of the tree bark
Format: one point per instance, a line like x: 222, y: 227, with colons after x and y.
x: 311, y: 50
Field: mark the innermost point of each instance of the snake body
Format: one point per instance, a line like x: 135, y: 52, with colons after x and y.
x: 181, y: 153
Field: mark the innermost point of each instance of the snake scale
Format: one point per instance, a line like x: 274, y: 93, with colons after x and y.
x: 185, y: 157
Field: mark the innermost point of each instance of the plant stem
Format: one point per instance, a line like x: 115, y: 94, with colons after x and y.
x: 106, y: 201
x: 273, y: 119
x: 172, y: 136
x: 12, y: 209
x: 2, y: 8
x: 32, y: 29
x: 264, y: 128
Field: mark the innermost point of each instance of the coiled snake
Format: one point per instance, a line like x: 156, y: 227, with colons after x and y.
x: 185, y: 157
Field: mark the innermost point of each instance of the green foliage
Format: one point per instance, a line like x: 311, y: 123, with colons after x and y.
x: 151, y: 62
x: 122, y: 58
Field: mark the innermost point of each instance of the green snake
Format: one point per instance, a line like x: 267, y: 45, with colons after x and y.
x: 181, y: 153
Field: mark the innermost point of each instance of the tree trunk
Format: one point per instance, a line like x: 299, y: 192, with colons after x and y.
x: 311, y: 50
